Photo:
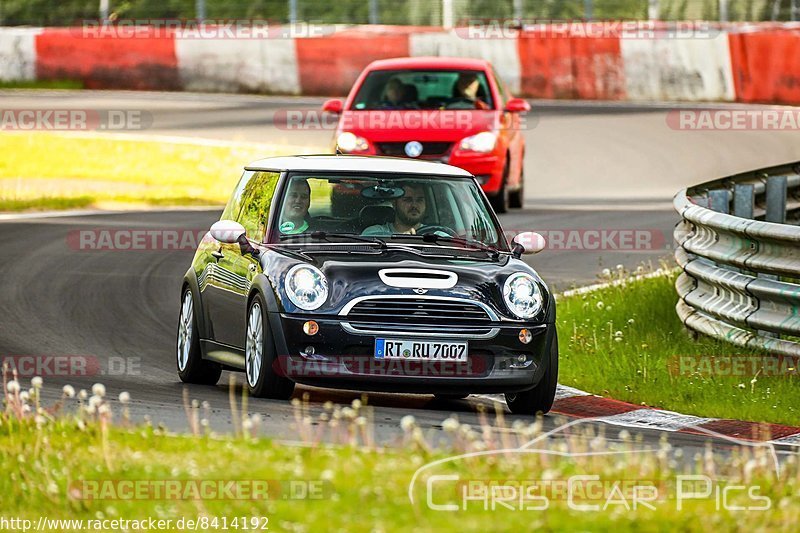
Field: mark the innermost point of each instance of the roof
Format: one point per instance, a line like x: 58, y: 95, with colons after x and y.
x: 355, y: 163
x: 445, y: 63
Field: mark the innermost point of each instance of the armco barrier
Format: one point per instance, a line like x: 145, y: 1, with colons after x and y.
x: 741, y: 271
x: 734, y: 62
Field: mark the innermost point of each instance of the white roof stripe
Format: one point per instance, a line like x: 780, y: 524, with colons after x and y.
x: 354, y: 163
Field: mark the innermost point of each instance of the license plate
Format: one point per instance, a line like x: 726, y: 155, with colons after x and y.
x: 420, y: 350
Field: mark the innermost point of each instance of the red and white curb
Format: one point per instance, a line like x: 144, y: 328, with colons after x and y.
x: 576, y: 403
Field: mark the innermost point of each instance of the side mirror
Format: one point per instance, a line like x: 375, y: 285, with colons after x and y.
x: 333, y: 105
x: 517, y: 105
x: 227, y: 231
x: 528, y: 242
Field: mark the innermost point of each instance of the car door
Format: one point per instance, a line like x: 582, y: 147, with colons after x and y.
x: 232, y: 272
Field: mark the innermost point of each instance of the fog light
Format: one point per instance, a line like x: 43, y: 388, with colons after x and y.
x: 309, y: 350
x: 525, y: 336
x: 310, y: 328
x: 521, y: 358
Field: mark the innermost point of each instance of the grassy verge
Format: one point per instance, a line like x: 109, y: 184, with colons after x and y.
x: 74, y: 464
x: 626, y: 342
x: 55, y: 171
x: 42, y: 84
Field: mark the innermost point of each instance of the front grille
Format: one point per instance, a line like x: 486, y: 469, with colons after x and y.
x: 419, y: 311
x: 429, y: 149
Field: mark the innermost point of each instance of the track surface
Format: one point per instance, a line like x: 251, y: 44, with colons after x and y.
x: 55, y: 300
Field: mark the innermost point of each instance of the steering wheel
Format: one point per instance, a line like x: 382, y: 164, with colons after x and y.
x: 427, y: 230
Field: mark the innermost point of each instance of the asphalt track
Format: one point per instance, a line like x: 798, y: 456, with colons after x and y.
x: 596, y: 166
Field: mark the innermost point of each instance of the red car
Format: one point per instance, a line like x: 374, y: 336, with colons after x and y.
x: 452, y: 110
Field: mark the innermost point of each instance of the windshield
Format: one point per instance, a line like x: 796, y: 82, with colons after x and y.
x: 441, y: 210
x: 424, y: 89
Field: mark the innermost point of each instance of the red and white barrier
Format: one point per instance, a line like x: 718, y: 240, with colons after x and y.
x: 744, y: 63
x: 18, y: 54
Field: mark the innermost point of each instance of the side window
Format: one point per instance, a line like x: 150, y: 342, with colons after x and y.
x: 500, y: 87
x: 256, y: 199
x: 234, y: 205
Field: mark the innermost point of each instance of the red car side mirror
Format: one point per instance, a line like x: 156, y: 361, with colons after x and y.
x: 334, y: 105
x: 517, y: 105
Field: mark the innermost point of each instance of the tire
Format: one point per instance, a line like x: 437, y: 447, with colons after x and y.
x: 516, y: 199
x: 262, y: 379
x: 192, y: 368
x: 501, y: 199
x: 540, y: 398
x: 450, y: 397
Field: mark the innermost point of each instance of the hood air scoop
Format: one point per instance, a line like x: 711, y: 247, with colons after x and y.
x: 418, y: 278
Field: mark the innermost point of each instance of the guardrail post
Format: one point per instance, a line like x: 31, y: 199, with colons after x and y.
x: 743, y: 200
x: 776, y: 199
x: 718, y: 200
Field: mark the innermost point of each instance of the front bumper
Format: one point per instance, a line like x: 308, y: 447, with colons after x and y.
x: 341, y: 355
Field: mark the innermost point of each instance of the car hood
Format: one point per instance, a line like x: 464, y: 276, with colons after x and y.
x: 418, y: 125
x: 357, y: 273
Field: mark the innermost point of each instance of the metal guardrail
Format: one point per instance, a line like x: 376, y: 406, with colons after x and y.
x: 738, y: 244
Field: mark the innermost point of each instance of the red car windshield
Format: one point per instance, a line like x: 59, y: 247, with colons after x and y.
x: 424, y: 89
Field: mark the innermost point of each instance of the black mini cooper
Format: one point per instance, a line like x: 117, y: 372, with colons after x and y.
x: 407, y: 285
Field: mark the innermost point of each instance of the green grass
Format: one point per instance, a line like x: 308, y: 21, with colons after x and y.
x: 44, y: 203
x: 42, y: 84
x: 637, y: 368
x: 48, y: 469
x: 48, y: 170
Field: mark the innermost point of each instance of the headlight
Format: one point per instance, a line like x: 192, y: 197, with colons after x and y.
x: 350, y: 142
x: 522, y: 295
x: 482, y: 142
x: 306, y: 287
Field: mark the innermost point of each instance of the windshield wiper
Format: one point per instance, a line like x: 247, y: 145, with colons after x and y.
x: 323, y: 236
x: 436, y: 239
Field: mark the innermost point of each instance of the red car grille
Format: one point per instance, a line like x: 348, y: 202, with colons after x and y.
x: 429, y: 149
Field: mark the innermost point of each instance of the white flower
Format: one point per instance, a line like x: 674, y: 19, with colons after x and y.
x: 82, y: 395
x: 624, y: 435
x: 247, y: 424
x: 631, y: 321
x: 450, y: 424
x: 13, y: 386
x: 69, y: 391
x: 361, y: 421
x: 356, y: 404
x: 741, y: 385
x: 40, y: 420
x: 24, y: 396
x: 36, y: 382
x: 600, y: 305
x: 407, y: 422
x: 98, y: 389
x: 124, y: 397
x: 620, y: 267
x: 94, y: 401
x: 606, y: 273
x: 617, y: 339
x: 104, y: 409
x: 618, y: 334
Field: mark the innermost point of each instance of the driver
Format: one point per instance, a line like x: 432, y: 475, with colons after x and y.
x: 409, y: 210
x: 294, y: 217
x: 467, y: 86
